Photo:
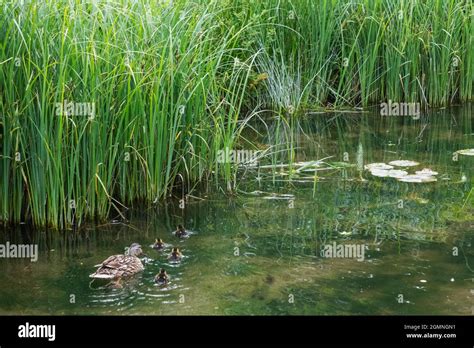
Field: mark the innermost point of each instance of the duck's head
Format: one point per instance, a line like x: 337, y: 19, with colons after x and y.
x: 158, y: 243
x: 180, y: 228
x: 134, y: 250
x: 161, y: 277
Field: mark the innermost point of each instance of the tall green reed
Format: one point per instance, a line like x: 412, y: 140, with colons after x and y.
x: 158, y: 78
x: 172, y: 83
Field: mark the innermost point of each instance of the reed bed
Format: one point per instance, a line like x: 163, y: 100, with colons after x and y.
x: 105, y: 104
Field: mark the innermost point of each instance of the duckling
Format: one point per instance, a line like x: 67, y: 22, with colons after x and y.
x: 119, y: 266
x: 159, y: 244
x: 180, y: 232
x: 162, y: 277
x: 175, y: 255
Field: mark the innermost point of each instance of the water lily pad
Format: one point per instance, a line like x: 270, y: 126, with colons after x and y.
x: 377, y: 166
x: 396, y: 173
x: 466, y: 152
x: 426, y: 171
x: 417, y: 178
x: 403, y: 163
x: 381, y: 173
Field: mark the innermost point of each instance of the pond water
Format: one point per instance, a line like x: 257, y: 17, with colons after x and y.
x: 259, y: 252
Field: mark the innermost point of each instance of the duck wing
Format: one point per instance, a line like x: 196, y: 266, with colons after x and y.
x: 110, y: 259
x: 118, y: 266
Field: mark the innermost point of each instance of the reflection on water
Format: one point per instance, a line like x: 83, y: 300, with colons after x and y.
x: 260, y: 252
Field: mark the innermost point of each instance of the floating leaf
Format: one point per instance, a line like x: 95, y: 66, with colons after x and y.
x: 417, y: 178
x: 377, y: 166
x: 426, y: 171
x: 381, y: 173
x: 466, y: 152
x: 396, y: 173
x: 280, y: 196
x: 391, y: 173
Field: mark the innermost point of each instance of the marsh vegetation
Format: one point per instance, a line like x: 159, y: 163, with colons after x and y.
x: 272, y: 130
x: 259, y: 252
x: 109, y: 105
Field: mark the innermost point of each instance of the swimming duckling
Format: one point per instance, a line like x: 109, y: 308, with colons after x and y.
x: 175, y: 255
x: 162, y: 277
x: 118, y: 266
x: 180, y: 232
x: 159, y: 244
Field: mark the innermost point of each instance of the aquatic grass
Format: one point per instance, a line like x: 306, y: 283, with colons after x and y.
x: 153, y: 80
x: 405, y: 51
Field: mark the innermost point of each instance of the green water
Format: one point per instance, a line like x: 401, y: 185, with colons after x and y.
x: 259, y: 252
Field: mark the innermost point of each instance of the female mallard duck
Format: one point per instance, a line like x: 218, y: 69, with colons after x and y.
x: 175, y: 255
x: 162, y: 277
x: 159, y: 244
x: 180, y: 232
x: 119, y: 266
